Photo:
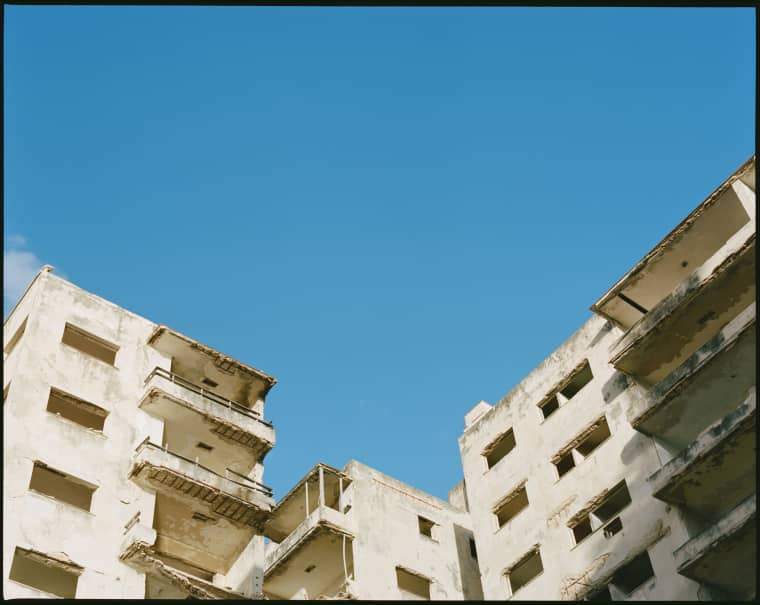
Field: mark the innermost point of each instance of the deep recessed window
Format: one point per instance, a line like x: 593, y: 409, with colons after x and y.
x: 633, y: 574
x: 209, y: 383
x: 581, y: 447
x: 499, y: 448
x: 568, y: 389
x: 45, y: 573
x: 602, y: 595
x: 524, y: 571
x: 204, y: 446
x: 426, y: 527
x: 473, y: 549
x: 413, y: 584
x: 77, y: 410
x: 511, y: 506
x: 90, y: 344
x: 605, y: 514
x: 15, y: 338
x: 61, y: 486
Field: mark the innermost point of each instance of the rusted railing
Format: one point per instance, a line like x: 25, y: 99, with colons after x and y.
x: 206, y: 394
x: 241, y: 480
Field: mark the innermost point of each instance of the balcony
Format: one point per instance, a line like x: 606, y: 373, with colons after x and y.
x: 164, y: 580
x: 717, y: 471
x: 725, y: 554
x: 190, y: 410
x: 696, y: 280
x: 315, y: 549
x: 198, y: 363
x: 706, y: 387
x: 202, y: 518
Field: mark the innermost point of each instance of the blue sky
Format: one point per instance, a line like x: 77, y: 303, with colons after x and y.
x: 397, y: 212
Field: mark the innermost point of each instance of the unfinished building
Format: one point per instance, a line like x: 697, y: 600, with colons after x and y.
x: 623, y: 466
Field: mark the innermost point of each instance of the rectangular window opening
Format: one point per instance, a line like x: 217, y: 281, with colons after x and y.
x: 549, y: 406
x: 577, y: 381
x: 527, y: 569
x: 89, y: 344
x: 77, y: 410
x: 499, y: 448
x: 565, y: 463
x: 511, y: 506
x: 413, y: 584
x: 44, y: 573
x: 582, y: 530
x: 594, y: 439
x: 61, y: 486
x: 613, y: 527
x: 15, y: 338
x: 633, y: 574
x: 606, y: 512
x: 426, y: 527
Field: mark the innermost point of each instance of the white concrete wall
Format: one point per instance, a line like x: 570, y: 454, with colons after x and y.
x: 384, y: 514
x: 626, y: 454
x: 40, y: 361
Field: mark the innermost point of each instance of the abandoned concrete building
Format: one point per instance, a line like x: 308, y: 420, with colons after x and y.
x: 621, y: 468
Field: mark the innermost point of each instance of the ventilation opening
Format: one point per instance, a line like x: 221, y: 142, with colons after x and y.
x: 45, y: 573
x: 413, y: 584
x: 513, y: 504
x: 77, y: 410
x: 613, y: 527
x: 204, y: 446
x: 527, y: 569
x: 426, y: 527
x: 633, y: 574
x: 473, y: 549
x: 499, y: 448
x: 89, y: 344
x: 15, y: 338
x: 602, y: 595
x: 61, y: 486
x: 209, y: 383
x: 549, y: 406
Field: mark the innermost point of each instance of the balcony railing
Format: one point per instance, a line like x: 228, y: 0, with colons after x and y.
x: 206, y: 394
x: 230, y: 475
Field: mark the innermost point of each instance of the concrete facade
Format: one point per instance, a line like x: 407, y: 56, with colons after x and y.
x: 621, y: 468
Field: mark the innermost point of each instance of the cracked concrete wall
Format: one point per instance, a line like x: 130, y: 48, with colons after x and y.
x: 569, y: 569
x: 40, y: 361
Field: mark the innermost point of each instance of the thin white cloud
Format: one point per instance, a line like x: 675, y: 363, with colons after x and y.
x: 19, y: 268
x: 16, y: 241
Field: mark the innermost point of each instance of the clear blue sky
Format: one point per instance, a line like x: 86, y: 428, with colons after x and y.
x: 396, y: 212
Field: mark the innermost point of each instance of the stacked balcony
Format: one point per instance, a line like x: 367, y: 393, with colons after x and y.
x: 205, y: 466
x: 314, y: 536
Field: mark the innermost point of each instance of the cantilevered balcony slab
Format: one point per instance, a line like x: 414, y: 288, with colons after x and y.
x: 691, y: 314
x: 725, y: 554
x: 706, y: 387
x: 717, y: 471
x: 198, y: 411
x: 138, y: 552
x: 316, y: 556
x: 241, y: 501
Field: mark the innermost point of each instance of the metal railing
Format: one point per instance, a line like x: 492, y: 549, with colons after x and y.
x: 206, y: 394
x: 241, y: 480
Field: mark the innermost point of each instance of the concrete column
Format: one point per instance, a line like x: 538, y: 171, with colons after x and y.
x: 321, y: 486
x: 306, y: 485
x: 746, y: 197
x: 340, y: 494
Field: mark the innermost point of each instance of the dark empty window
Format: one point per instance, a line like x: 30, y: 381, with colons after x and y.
x: 499, y: 448
x: 511, y: 505
x: 564, y: 463
x: 549, y: 406
x: 594, y: 439
x: 524, y: 571
x: 77, y: 410
x: 568, y: 389
x: 15, y: 338
x: 603, y: 514
x: 61, y: 486
x: 89, y: 344
x: 473, y: 549
x: 413, y: 583
x: 425, y: 526
x: 45, y: 573
x: 582, y: 446
x: 633, y: 574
